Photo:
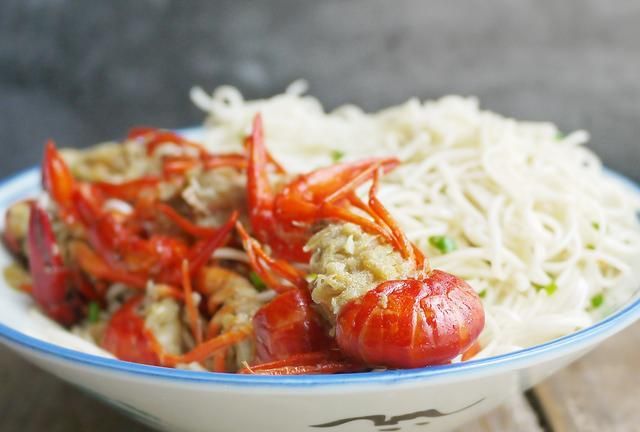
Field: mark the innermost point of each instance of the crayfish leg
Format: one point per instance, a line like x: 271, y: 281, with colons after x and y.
x: 202, y: 351
x: 270, y: 269
x: 56, y: 177
x: 259, y: 192
x: 305, y: 364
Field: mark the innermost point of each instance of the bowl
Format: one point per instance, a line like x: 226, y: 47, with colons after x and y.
x: 436, y: 398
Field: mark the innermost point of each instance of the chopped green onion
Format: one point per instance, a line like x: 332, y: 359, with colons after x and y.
x: 311, y: 277
x: 93, y: 313
x: 443, y: 243
x: 256, y: 281
x: 595, y: 225
x: 483, y: 293
x: 549, y: 289
x: 597, y: 300
x: 591, y: 246
x: 337, y: 155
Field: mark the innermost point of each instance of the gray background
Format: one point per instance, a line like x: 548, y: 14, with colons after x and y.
x: 83, y: 71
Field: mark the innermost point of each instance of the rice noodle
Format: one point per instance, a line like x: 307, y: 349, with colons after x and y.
x: 231, y: 254
x: 527, y: 207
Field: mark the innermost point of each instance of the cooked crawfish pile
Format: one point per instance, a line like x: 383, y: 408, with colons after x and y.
x: 167, y: 254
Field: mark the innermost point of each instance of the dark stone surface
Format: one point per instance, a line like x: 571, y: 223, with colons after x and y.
x: 84, y: 71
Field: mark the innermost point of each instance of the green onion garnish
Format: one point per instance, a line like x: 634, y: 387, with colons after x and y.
x: 311, y: 277
x: 595, y: 225
x: 444, y: 244
x: 597, y: 300
x: 549, y: 289
x: 93, y: 314
x: 483, y: 293
x: 256, y: 281
x: 337, y: 155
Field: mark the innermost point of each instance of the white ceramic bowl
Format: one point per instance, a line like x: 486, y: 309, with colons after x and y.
x: 429, y: 399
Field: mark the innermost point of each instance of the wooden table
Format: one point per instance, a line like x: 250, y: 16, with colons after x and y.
x: 600, y: 392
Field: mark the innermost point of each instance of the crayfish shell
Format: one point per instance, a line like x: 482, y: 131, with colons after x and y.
x: 411, y: 323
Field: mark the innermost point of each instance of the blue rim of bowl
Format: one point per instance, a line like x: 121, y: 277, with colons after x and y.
x: 579, y: 339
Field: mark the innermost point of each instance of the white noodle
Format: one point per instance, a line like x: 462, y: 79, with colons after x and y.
x: 117, y: 205
x: 231, y: 254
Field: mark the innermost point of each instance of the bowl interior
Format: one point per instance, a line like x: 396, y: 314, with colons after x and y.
x: 20, y: 324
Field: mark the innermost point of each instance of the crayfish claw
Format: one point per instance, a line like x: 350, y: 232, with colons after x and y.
x: 51, y: 279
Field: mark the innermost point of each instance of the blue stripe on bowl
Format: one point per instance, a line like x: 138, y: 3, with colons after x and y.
x: 552, y: 349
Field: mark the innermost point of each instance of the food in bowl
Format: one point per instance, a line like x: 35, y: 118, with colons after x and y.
x: 284, y: 240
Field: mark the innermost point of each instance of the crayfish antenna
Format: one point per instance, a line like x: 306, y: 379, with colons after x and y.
x: 185, y: 224
x: 154, y: 138
x: 128, y: 191
x: 238, y: 161
x: 200, y: 254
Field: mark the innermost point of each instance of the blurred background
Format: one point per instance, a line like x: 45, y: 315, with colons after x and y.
x: 85, y: 71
